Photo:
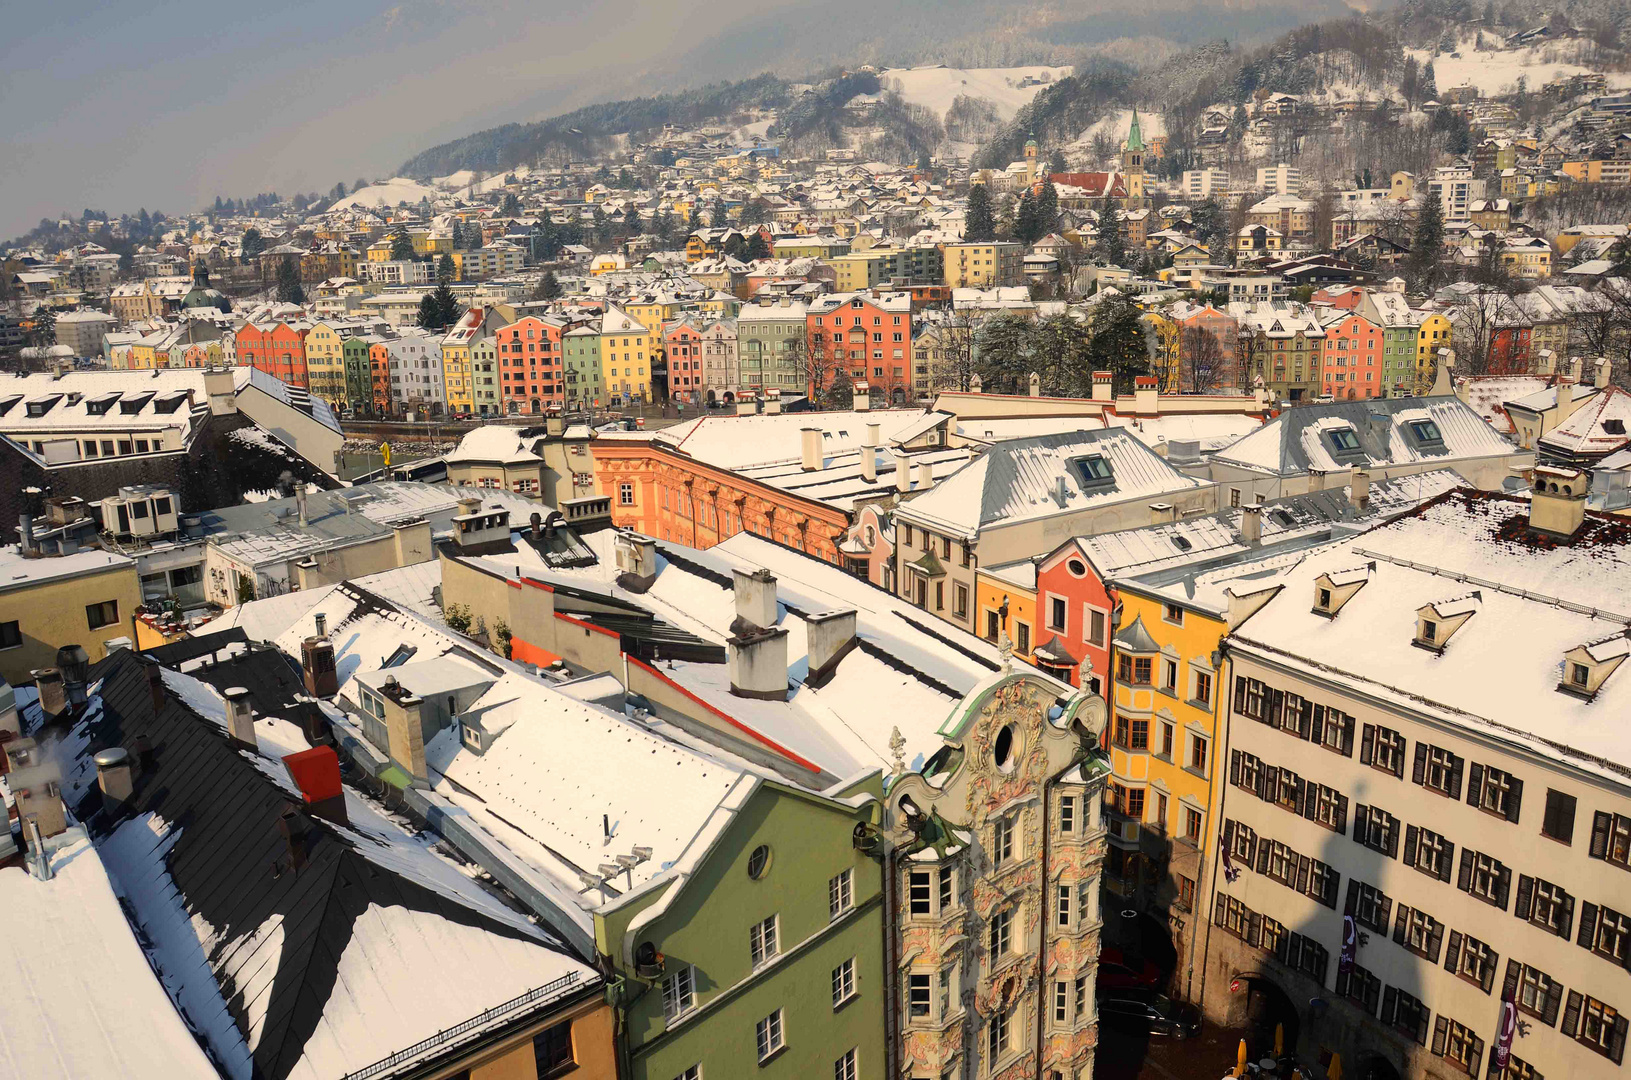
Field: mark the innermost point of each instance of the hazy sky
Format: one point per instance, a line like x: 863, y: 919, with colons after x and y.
x: 166, y: 105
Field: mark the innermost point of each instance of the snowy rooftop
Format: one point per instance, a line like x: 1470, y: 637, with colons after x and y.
x: 1550, y: 594
x: 1023, y: 479
x: 81, y: 1000
x: 17, y: 572
x: 495, y: 443
x: 1597, y: 428
x: 735, y: 442
x: 1384, y: 431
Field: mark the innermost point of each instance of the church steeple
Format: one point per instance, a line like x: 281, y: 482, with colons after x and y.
x: 1135, y: 138
x: 1132, y: 163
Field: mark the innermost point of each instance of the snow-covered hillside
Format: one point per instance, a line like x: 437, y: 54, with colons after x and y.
x: 387, y: 193
x: 1114, y: 127
x: 1497, y: 71
x: 937, y: 87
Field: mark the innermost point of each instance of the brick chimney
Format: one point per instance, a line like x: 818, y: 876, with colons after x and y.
x: 1104, y: 386
x: 241, y: 718
x: 316, y: 772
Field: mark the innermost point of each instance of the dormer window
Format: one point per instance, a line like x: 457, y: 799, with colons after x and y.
x: 1322, y: 599
x: 1334, y: 589
x: 1587, y: 667
x: 1437, y: 623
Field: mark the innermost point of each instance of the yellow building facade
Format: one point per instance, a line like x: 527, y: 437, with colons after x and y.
x: 626, y: 353
x: 1005, y: 602
x: 1433, y: 335
x: 325, y: 363
x: 84, y: 599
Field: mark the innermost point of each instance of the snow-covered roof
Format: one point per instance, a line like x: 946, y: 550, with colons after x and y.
x: 1498, y: 676
x: 17, y: 572
x: 1594, y: 429
x: 500, y: 443
x: 736, y: 442
x: 1023, y: 479
x: 1301, y: 439
x: 81, y: 1000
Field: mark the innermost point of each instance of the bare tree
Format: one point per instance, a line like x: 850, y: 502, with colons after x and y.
x: 951, y: 352
x: 1203, y: 358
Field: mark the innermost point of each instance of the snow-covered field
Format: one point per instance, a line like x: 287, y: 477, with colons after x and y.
x: 1497, y: 71
x: 387, y: 193
x: 1114, y: 127
x: 937, y: 87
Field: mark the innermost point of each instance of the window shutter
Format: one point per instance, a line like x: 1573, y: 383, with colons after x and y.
x: 1421, y: 1024
x: 1352, y: 901
x: 1554, y: 999
x: 1217, y: 911
x: 1367, y: 745
x: 1489, y: 973
x: 1475, y: 783
x: 1276, y: 706
x: 1440, y: 1030
x: 1263, y: 857
x: 1509, y: 987
x: 1254, y: 930
x: 1393, y: 838
x: 1568, y: 916
x: 1398, y: 925
x: 1302, y: 874
x: 1390, y: 1004
x: 1268, y: 783
x: 1361, y: 825
x: 1418, y: 771
x: 1477, y: 1051
x: 1601, y: 822
x: 1514, y: 799
x: 1571, y: 1014
x: 1452, y: 955
x: 1445, y: 861
x: 1463, y: 879
x: 1455, y: 777
x: 1342, y: 813
x: 1616, y: 1042
x: 1412, y: 836
x: 1343, y: 978
x: 1347, y: 735
x: 1382, y: 912
x: 1526, y: 897
x: 1316, y: 724
x: 1435, y: 941
x: 1240, y: 694
x: 1588, y: 925
x: 1308, y: 795
x: 1503, y: 886
x: 1234, y: 767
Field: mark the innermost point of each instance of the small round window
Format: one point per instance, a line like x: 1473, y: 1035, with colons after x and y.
x: 1077, y: 568
x: 1002, y: 751
x: 759, y: 862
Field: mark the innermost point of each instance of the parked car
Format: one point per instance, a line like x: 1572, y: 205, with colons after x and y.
x: 1117, y: 971
x: 1146, y: 1012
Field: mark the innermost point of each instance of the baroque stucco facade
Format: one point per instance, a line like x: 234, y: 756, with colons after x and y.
x: 998, y: 843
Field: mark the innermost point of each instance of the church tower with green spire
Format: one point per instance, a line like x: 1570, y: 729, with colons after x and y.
x: 1132, y: 163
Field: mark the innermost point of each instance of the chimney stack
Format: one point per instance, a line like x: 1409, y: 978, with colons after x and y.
x: 300, y: 502
x: 1162, y: 512
x: 116, y: 777
x: 773, y: 402
x: 869, y: 454
x: 862, y: 397
x: 976, y: 385
x: 317, y: 660
x: 1359, y: 490
x: 241, y: 718
x: 829, y: 636
x: 53, y: 696
x: 320, y: 624
x: 903, y: 473
x: 925, y: 476
x: 1036, y: 385
x: 1103, y: 386
x: 1576, y: 367
x: 25, y: 532
x: 1557, y: 500
x: 75, y: 666
x: 316, y: 772
x: 810, y: 456
x: 1251, y: 524
x: 755, y: 594
x: 1601, y: 373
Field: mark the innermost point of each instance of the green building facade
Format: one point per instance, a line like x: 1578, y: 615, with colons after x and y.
x: 359, y: 390
x: 580, y: 350
x: 765, y: 958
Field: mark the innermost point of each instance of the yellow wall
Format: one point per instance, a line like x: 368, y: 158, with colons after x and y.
x: 988, y: 596
x: 51, y: 614
x: 1433, y: 335
x: 625, y: 363
x: 1197, y: 639
x: 456, y: 378
x: 593, y: 1050
x: 325, y: 363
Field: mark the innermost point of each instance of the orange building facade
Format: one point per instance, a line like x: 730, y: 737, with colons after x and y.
x: 279, y: 350
x: 670, y: 497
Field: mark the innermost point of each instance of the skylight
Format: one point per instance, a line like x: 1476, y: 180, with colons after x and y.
x: 1344, y: 439
x: 1426, y: 431
x: 1092, y: 470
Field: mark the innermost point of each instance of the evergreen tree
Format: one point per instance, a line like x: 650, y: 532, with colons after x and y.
x: 631, y: 219
x: 979, y: 219
x: 42, y: 330
x: 548, y: 288
x: 1047, y: 209
x: 510, y: 207
x: 1421, y: 267
x: 288, y: 282
x: 429, y: 313
x: 1112, y: 244
x: 1118, y: 343
x: 252, y: 243
x: 401, y: 247
x: 1056, y: 163
x: 1025, y: 219
x: 717, y: 216
x: 445, y: 270
x: 757, y: 248
x: 665, y: 228
x: 439, y: 309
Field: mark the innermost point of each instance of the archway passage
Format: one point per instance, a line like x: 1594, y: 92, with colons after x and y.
x: 1376, y: 1067
x: 1268, y: 1006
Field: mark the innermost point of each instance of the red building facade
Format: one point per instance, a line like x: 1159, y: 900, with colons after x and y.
x: 531, y: 371
x: 278, y: 349
x: 868, y: 336
x: 682, y: 342
x: 1073, y: 612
